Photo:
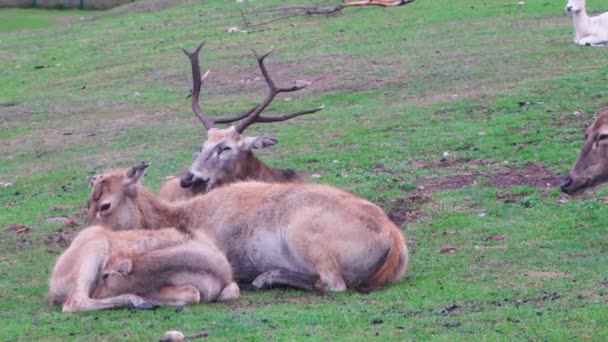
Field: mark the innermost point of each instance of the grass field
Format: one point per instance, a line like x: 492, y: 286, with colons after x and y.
x: 497, y: 252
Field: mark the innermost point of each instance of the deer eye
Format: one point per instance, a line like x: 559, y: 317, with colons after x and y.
x: 223, y: 149
x: 105, y: 206
x: 105, y: 276
x: 602, y: 137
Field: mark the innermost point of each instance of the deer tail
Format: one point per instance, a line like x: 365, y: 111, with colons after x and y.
x: 394, y: 266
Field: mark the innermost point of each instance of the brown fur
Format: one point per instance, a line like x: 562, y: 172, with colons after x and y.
x: 237, y: 163
x: 591, y: 166
x: 313, y: 229
x: 78, y: 270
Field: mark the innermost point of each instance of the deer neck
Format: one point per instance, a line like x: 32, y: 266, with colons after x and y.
x: 580, y: 18
x: 155, y: 213
x: 255, y: 169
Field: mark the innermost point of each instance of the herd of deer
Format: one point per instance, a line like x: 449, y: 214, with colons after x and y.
x: 259, y: 226
x: 231, y: 220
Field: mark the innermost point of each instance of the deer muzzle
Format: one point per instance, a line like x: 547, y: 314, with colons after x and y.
x: 190, y: 180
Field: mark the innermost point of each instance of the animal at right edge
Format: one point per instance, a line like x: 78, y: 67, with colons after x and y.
x: 588, y: 31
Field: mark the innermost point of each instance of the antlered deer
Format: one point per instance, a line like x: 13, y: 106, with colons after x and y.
x: 591, y: 166
x: 308, y: 236
x: 105, y: 269
x: 226, y: 156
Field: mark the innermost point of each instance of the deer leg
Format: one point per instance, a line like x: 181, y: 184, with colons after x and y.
x: 230, y: 292
x: 285, y: 277
x: 591, y: 40
x: 175, y: 295
x: 121, y: 301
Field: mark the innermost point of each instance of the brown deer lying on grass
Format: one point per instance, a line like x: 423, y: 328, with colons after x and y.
x: 105, y: 269
x: 591, y: 166
x: 307, y: 236
x: 226, y: 156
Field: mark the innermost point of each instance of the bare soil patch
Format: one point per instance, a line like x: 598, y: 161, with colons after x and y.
x: 59, y: 238
x: 546, y: 275
x: 14, y: 113
x: 407, y: 209
x: 19, y: 229
x: 531, y: 174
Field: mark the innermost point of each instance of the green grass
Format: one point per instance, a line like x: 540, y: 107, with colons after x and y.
x: 401, y: 87
x: 32, y: 19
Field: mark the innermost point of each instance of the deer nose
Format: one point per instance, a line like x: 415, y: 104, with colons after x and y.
x: 566, y: 183
x: 186, y: 180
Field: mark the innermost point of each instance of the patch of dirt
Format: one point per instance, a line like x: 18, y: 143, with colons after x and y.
x: 546, y: 296
x: 506, y: 197
x: 19, y: 229
x: 15, y: 113
x: 531, y: 174
x: 407, y: 209
x: 443, y: 163
x: 59, y: 238
x: 447, y: 249
x: 499, y: 237
x: 546, y: 275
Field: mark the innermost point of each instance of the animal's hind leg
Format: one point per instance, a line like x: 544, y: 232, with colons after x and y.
x: 176, y: 295
x: 284, y: 277
x: 230, y: 292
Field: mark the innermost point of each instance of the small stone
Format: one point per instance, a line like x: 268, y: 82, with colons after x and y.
x: 174, y: 335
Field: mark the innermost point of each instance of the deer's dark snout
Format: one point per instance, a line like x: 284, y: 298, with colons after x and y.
x: 189, y: 180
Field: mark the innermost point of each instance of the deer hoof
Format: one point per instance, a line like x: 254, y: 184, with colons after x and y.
x: 146, y: 306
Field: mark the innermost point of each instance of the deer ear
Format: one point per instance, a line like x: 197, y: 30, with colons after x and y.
x: 135, y: 174
x: 124, y: 267
x: 92, y: 179
x: 251, y: 143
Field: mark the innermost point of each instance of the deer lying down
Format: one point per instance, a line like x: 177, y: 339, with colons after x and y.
x: 139, y: 268
x: 308, y: 236
x: 588, y: 31
x: 591, y: 166
x: 237, y: 162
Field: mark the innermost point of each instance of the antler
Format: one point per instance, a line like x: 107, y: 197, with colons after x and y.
x: 254, y: 113
x: 197, y: 82
x: 251, y: 115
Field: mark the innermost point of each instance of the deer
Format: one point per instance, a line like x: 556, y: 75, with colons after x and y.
x: 104, y: 269
x: 588, y: 31
x: 236, y: 161
x: 307, y: 236
x: 591, y: 167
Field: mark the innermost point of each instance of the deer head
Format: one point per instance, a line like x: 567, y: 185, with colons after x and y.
x: 591, y: 166
x: 112, y: 276
x: 111, y: 198
x: 226, y: 155
x: 575, y: 6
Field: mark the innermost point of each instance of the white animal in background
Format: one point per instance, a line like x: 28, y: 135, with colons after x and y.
x: 589, y: 31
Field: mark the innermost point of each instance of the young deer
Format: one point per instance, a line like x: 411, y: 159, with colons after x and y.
x: 139, y: 268
x: 308, y: 236
x: 226, y: 156
x: 591, y: 166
